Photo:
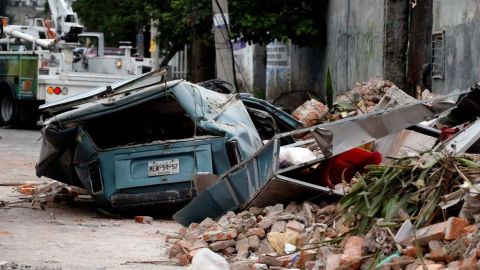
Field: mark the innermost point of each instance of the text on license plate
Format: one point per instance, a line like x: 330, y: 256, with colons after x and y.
x: 163, y: 167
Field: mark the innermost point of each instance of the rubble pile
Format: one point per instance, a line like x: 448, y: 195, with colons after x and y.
x: 407, y: 214
x: 51, y: 192
x: 272, y: 235
x: 309, y: 236
x: 365, y: 97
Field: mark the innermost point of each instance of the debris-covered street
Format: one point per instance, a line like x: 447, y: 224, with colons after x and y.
x: 67, y: 235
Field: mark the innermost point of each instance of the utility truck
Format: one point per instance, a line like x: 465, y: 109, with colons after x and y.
x: 54, y: 59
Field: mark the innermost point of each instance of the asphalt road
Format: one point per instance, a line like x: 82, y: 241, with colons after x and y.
x: 67, y: 236
x: 19, y: 151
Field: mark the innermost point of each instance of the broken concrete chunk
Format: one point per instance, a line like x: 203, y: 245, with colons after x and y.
x: 229, y: 251
x: 333, y: 262
x: 241, y: 265
x: 199, y: 244
x: 293, y: 208
x: 248, y: 223
x: 308, y: 210
x: 242, y: 248
x: 279, y: 226
x: 295, y: 226
x: 174, y: 251
x: 259, y: 266
x: 271, y: 211
x: 254, y: 242
x: 193, y: 236
x: 207, y: 223
x: 172, y: 236
x: 265, y: 247
x: 241, y: 236
x: 185, y: 245
x: 265, y: 223
x: 193, y: 226
x: 270, y: 260
x: 221, y: 245
x: 256, y: 211
x: 434, y: 244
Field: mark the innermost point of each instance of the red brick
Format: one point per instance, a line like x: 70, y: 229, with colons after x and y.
x: 438, y: 254
x: 352, y: 253
x: 143, y: 219
x: 211, y: 236
x: 295, y: 226
x: 174, y: 251
x: 454, y: 227
x: 221, y: 245
x: 184, y: 260
x: 469, y: 263
x: 242, y: 248
x: 469, y: 229
x: 410, y: 251
x: 269, y: 260
x: 256, y: 231
x: 432, y: 232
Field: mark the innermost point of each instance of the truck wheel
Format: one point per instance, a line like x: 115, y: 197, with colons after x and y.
x: 8, y: 110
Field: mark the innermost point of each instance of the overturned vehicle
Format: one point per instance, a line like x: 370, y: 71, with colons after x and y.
x: 146, y: 141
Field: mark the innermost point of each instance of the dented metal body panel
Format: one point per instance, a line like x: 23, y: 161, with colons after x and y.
x: 260, y: 181
x: 142, y: 146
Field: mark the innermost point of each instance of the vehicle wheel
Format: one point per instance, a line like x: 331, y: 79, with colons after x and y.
x: 8, y: 110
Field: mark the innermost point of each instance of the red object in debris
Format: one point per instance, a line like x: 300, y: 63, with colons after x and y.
x: 344, y: 166
x: 447, y: 133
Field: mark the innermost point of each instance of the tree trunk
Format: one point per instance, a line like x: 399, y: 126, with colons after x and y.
x: 419, y: 51
x: 202, y: 64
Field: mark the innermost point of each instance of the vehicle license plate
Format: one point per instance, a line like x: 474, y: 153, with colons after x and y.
x: 163, y: 167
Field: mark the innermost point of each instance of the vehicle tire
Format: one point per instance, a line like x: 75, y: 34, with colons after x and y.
x: 17, y: 114
x: 8, y: 110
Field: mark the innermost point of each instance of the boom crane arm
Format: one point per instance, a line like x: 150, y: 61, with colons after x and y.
x: 66, y: 20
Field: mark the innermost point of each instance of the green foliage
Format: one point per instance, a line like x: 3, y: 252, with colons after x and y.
x: 182, y: 21
x: 261, y: 22
x: 118, y: 20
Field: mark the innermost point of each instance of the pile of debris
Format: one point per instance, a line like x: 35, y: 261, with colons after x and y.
x: 308, y: 236
x: 365, y: 97
x: 49, y: 192
x: 406, y: 214
x: 270, y: 235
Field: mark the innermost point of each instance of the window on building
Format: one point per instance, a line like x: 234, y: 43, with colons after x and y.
x: 438, y: 56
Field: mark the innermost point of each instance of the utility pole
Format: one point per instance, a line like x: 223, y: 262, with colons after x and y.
x: 154, y: 53
x: 223, y: 50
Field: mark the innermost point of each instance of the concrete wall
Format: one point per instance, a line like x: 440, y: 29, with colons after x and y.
x: 250, y: 67
x: 460, y: 20
x: 355, y: 38
x: 292, y: 73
